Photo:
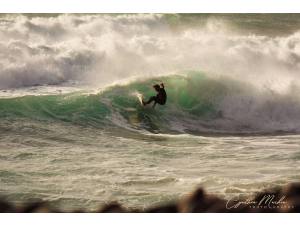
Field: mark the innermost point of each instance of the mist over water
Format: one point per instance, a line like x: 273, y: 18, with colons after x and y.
x: 67, y: 85
x: 105, y: 48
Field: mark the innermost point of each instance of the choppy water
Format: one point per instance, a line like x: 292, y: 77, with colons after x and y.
x: 87, y: 170
x: 72, y: 131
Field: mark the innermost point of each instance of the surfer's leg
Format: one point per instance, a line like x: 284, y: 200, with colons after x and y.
x: 154, y: 104
x: 153, y: 98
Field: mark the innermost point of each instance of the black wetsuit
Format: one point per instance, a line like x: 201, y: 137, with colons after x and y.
x: 160, y: 98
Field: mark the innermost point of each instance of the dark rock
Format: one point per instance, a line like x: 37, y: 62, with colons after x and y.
x: 292, y: 190
x: 113, y: 207
x: 6, y: 207
x: 36, y: 207
x: 171, y: 208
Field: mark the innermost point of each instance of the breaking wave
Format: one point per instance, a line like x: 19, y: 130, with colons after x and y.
x: 101, y: 49
x: 250, y: 82
x: 196, y: 103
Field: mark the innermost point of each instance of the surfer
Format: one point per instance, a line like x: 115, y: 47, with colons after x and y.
x: 161, y: 96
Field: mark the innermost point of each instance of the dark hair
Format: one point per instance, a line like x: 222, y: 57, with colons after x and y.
x: 156, y: 86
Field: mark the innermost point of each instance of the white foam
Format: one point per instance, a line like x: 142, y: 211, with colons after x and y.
x: 100, y: 49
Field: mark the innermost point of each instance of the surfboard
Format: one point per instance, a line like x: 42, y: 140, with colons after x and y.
x: 140, y: 98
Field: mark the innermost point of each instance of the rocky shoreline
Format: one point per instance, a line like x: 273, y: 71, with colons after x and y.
x: 278, y: 200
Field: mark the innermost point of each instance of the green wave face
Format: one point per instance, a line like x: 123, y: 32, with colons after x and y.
x: 75, y: 107
x: 193, y: 97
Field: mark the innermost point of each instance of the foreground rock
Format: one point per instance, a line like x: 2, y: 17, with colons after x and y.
x: 286, y: 199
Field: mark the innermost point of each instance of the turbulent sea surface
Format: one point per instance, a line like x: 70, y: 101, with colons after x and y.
x: 73, y: 132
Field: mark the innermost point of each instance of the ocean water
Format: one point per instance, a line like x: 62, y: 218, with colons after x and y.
x: 72, y: 131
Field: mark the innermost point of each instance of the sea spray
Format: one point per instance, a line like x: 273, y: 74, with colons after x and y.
x: 98, y: 50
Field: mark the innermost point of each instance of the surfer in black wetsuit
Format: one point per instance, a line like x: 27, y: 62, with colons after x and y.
x: 161, y: 96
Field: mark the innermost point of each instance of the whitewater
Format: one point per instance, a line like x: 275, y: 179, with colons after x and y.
x: 72, y: 131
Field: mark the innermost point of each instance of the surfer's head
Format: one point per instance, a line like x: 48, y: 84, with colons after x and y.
x: 156, y: 87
